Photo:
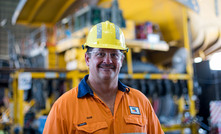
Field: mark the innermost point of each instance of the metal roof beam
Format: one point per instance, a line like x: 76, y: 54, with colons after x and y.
x: 35, y: 10
x: 34, y: 24
x: 63, y: 9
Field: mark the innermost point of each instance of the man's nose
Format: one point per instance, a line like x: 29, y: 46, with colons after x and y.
x: 107, y: 58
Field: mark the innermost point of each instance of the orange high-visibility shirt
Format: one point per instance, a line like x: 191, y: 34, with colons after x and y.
x: 80, y: 111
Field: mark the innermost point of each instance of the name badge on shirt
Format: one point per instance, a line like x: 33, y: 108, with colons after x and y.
x: 134, y: 110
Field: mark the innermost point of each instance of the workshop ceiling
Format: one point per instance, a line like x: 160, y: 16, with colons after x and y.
x: 204, y: 23
x: 38, y: 12
x: 166, y: 13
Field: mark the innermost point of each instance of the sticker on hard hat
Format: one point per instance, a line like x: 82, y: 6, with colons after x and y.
x: 99, y: 30
x: 117, y: 32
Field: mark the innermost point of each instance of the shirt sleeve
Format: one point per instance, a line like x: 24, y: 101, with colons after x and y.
x: 154, y: 126
x: 55, y: 124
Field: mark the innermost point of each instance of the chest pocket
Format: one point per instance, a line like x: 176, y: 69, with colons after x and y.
x: 135, y: 120
x: 94, y: 127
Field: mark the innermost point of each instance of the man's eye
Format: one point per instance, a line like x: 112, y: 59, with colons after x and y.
x: 114, y: 55
x: 101, y: 54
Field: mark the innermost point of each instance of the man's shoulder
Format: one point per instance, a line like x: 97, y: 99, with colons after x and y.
x: 70, y: 93
x: 136, y: 91
x: 68, y: 96
x: 136, y: 96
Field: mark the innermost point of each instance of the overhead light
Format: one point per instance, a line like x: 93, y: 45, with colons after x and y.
x: 3, y: 22
x: 215, y: 62
x: 198, y: 60
x: 18, y: 9
x: 64, y: 21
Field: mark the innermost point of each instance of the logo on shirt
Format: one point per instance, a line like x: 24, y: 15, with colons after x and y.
x: 134, y: 110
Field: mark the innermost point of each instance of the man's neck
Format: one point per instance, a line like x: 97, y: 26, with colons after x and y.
x: 103, y: 87
x: 105, y: 90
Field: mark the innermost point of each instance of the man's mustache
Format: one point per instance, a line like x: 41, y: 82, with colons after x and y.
x: 107, y: 66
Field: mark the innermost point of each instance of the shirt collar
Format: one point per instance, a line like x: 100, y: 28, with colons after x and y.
x: 84, y: 89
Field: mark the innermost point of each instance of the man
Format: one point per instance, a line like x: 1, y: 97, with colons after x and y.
x: 101, y: 104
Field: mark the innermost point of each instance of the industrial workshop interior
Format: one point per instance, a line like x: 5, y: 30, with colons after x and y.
x: 174, y: 58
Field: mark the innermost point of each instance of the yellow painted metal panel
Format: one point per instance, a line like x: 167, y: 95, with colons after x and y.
x: 43, y: 11
x: 129, y: 61
x: 128, y: 31
x: 28, y: 7
x: 62, y: 10
x: 52, y: 57
x: 15, y: 101
x: 61, y: 62
x: 21, y: 107
x: 75, y: 81
x: 35, y: 9
x: 166, y: 13
x: 192, y: 102
x: 174, y: 127
x: 156, y: 76
x: 138, y: 76
x: 71, y: 74
x: 49, y: 10
x: 35, y: 24
x: 189, y: 67
x: 38, y: 75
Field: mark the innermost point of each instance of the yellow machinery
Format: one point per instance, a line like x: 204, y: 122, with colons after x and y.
x: 76, y: 75
x: 171, y: 16
x: 204, y: 18
x: 21, y: 107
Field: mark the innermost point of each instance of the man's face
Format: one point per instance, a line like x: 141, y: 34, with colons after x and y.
x: 104, y: 64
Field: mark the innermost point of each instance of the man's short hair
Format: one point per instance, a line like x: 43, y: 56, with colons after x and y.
x: 89, y: 49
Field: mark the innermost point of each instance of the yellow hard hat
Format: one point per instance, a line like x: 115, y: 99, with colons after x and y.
x: 106, y: 35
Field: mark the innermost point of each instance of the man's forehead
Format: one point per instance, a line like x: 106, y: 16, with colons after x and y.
x: 106, y: 50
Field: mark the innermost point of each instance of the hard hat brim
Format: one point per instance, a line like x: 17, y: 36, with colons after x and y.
x: 108, y: 46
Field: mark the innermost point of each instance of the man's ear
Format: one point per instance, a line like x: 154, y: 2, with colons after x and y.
x: 87, y: 58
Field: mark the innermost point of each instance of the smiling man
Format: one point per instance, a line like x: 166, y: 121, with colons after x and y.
x: 101, y: 104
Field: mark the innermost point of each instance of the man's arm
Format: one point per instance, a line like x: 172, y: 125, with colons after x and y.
x: 154, y: 126
x: 55, y: 123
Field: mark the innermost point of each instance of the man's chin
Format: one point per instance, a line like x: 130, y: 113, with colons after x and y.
x: 107, y: 76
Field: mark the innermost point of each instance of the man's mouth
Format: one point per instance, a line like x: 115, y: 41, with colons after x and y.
x: 106, y: 66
